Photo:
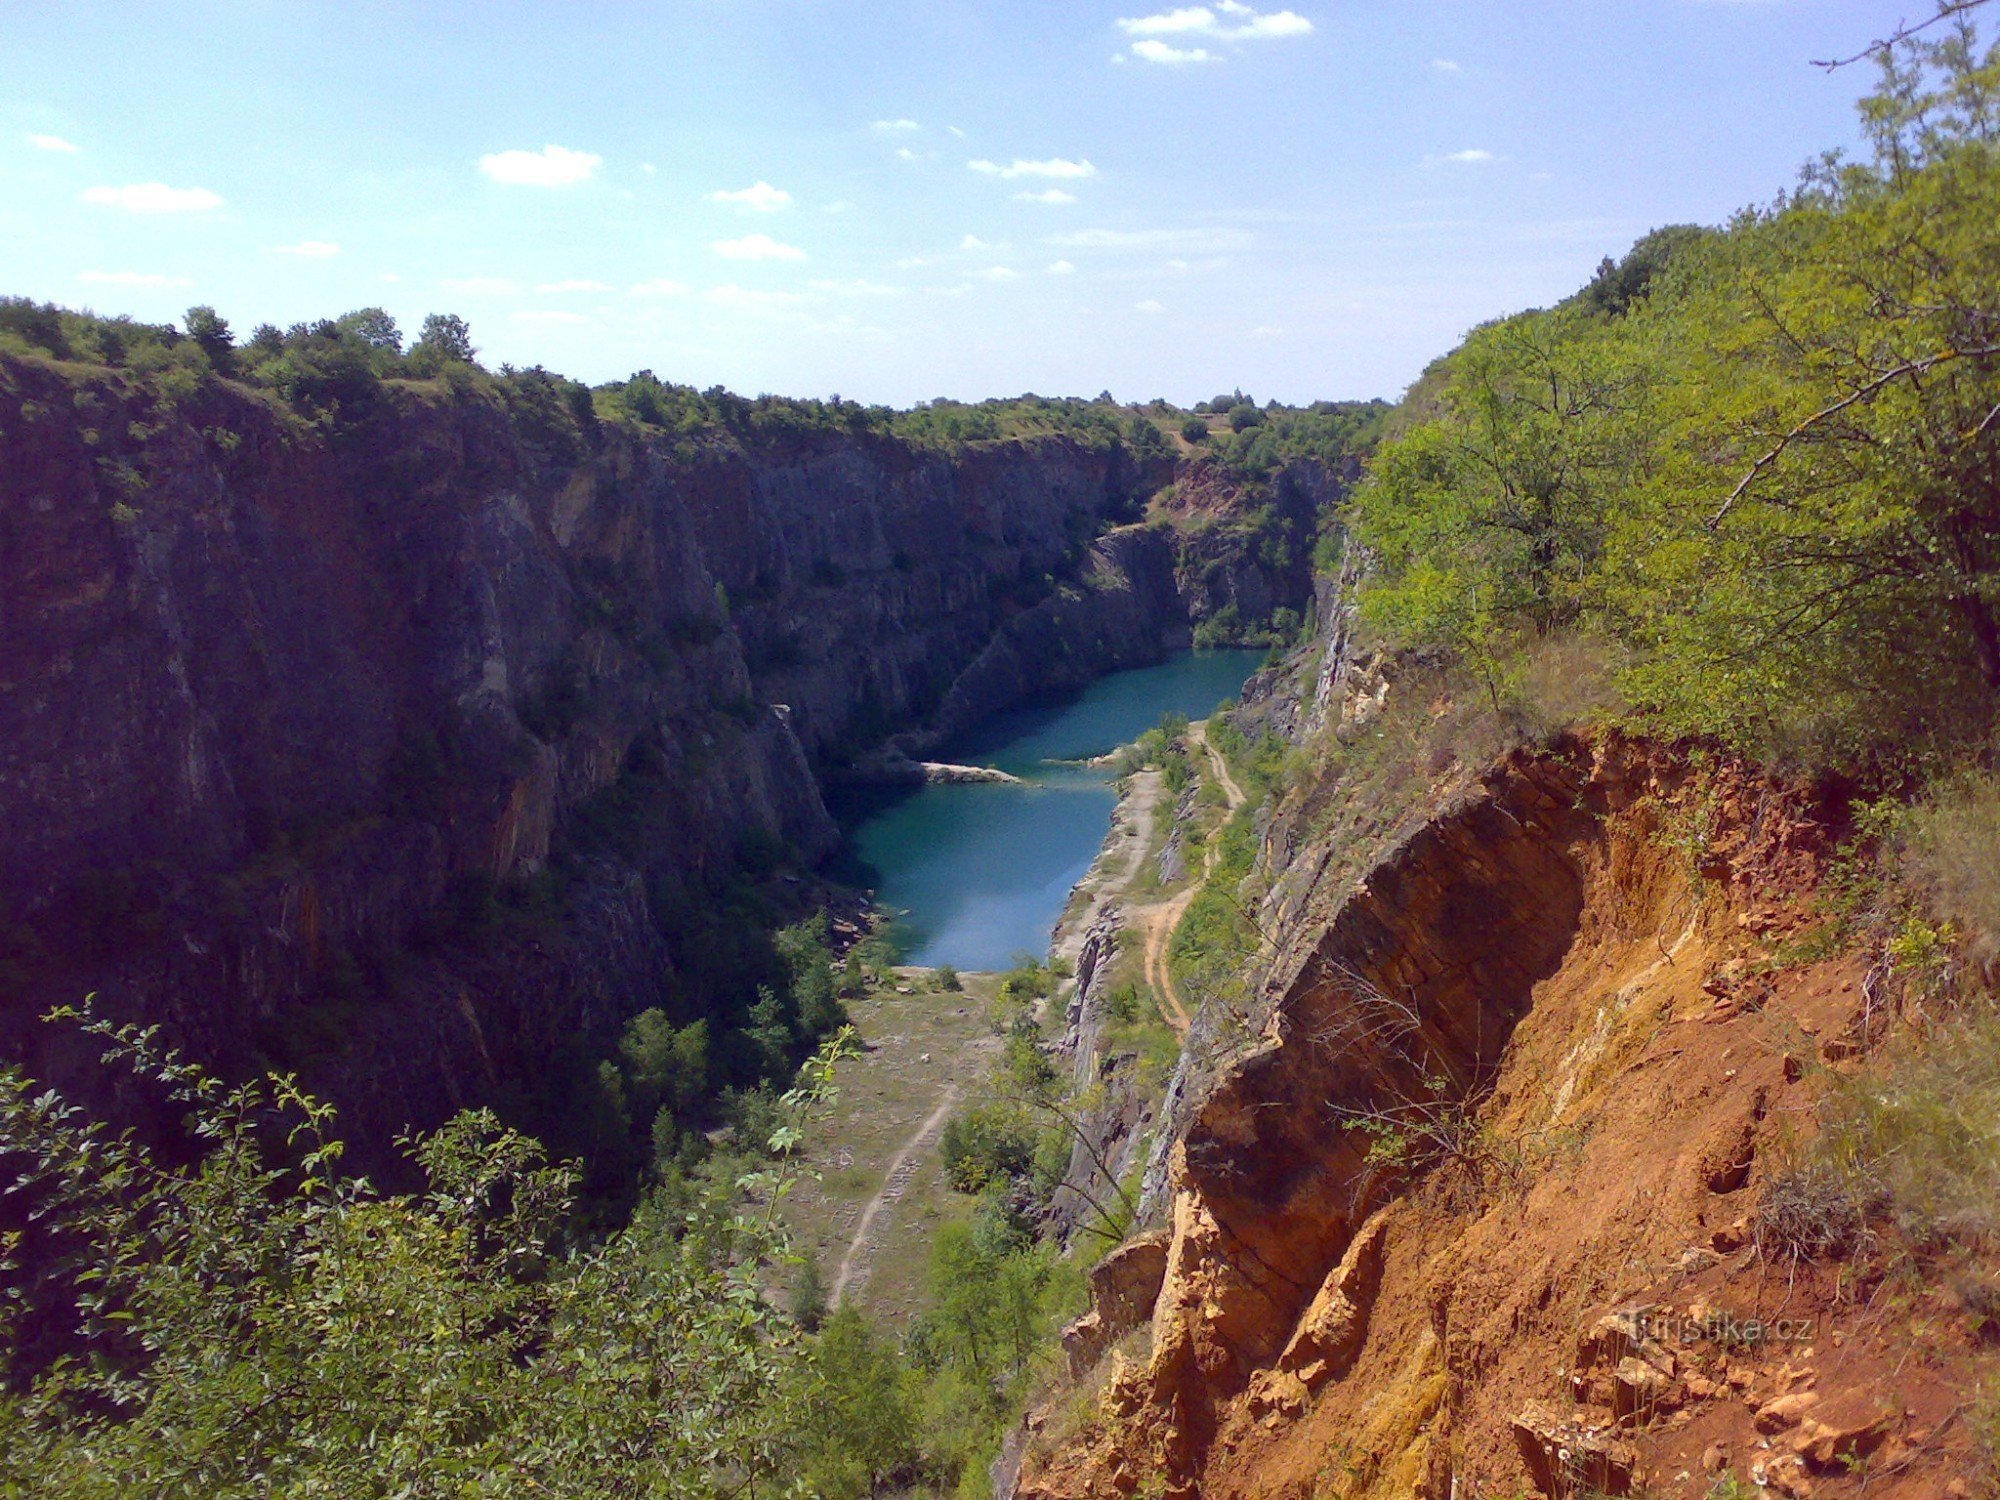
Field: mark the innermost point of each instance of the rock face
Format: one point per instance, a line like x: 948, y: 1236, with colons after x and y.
x: 1458, y: 1206
x: 292, y: 722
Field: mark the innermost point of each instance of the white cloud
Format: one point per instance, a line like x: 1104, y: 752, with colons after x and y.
x: 1188, y: 18
x: 552, y: 166
x: 1227, y: 21
x: 389, y: 276
x: 756, y: 247
x: 1062, y: 268
x: 575, y: 284
x: 131, y: 278
x: 153, y: 198
x: 956, y: 131
x: 1001, y: 273
x: 309, y: 249
x: 1047, y: 195
x: 53, y: 143
x: 1189, y: 241
x: 481, y: 286
x: 760, y: 196
x: 974, y: 242
x: 648, y: 168
x: 660, y: 286
x: 1153, y: 50
x: 548, y: 315
x: 1277, y: 24
x: 857, y: 289
x: 897, y: 125
x: 1468, y: 158
x: 1445, y: 65
x: 1055, y: 167
x: 746, y: 299
x: 1150, y: 306
x: 904, y: 153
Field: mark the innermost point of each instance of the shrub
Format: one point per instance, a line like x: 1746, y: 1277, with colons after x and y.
x: 1195, y: 430
x: 984, y: 1146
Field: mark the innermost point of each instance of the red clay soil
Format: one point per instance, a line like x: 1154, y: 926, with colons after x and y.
x: 1575, y: 959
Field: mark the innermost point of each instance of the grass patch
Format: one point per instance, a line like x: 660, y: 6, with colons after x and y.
x: 1914, y: 1141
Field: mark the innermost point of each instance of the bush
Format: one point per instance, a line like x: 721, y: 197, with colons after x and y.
x: 1244, y: 416
x: 984, y: 1146
x: 1195, y: 430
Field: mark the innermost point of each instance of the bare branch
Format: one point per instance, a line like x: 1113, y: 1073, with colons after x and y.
x: 1855, y: 397
x: 1947, y: 10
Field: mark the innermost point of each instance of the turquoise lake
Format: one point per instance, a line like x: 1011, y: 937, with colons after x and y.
x: 980, y: 873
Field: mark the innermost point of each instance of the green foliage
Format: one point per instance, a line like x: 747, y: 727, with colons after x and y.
x: 236, y: 1318
x: 1619, y: 284
x: 861, y: 1426
x: 1760, y: 461
x: 1195, y: 430
x: 446, y: 340
x: 986, y: 1145
x: 210, y: 333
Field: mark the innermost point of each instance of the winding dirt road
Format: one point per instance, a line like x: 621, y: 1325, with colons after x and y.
x: 1162, y: 920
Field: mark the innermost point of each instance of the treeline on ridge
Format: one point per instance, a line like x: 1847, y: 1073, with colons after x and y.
x: 331, y: 372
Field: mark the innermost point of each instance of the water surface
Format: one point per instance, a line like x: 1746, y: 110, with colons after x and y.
x: 982, y: 872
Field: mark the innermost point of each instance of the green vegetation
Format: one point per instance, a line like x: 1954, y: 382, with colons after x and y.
x: 1756, y: 463
x: 1913, y: 1143
x: 337, y: 373
x: 230, y: 1315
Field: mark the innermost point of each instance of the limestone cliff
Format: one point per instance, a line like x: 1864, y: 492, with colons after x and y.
x: 408, y: 748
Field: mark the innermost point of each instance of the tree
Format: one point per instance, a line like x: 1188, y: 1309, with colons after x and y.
x: 1243, y: 416
x: 212, y: 335
x: 446, y: 339
x: 375, y: 328
x: 861, y: 1429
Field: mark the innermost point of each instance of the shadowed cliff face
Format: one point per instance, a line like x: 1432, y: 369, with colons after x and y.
x: 400, y: 751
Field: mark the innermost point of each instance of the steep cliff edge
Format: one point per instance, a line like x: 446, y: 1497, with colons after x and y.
x: 411, y: 747
x: 1464, y: 1203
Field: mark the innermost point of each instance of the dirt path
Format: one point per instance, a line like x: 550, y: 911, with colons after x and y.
x: 901, y: 1170
x: 1161, y: 921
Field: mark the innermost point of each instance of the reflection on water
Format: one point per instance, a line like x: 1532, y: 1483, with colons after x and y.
x: 983, y: 871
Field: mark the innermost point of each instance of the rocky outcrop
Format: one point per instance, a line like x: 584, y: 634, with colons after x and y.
x: 1457, y: 1208
x: 407, y: 749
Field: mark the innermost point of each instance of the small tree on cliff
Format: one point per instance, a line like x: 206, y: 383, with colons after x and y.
x: 446, y: 339
x: 211, y: 334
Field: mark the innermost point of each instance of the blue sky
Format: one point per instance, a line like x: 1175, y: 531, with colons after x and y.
x: 905, y: 198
